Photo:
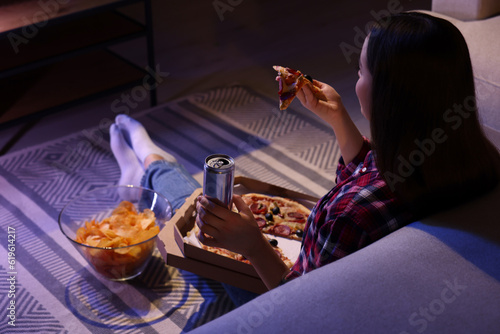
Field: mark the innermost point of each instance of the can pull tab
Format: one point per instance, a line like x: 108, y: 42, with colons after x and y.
x: 220, y: 163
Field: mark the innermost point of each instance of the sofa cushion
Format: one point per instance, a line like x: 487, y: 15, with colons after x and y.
x: 484, y: 47
x: 441, y: 275
x: 467, y: 10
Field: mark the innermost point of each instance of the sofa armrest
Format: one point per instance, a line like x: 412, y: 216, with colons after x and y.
x: 441, y: 275
x: 467, y: 10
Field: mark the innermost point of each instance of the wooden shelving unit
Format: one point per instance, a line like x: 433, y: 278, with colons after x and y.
x: 63, y: 60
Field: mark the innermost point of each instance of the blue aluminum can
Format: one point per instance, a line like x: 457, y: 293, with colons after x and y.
x: 218, y: 178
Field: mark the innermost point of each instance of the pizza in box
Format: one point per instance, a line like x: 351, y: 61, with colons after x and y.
x: 276, y: 217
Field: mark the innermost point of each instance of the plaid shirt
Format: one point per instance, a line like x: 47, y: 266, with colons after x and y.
x: 357, y: 211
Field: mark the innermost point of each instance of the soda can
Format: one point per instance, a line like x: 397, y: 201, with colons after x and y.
x: 218, y: 178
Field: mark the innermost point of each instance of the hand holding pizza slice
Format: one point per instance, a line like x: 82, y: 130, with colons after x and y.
x: 291, y: 82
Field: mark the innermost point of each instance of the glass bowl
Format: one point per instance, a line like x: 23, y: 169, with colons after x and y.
x: 114, y: 263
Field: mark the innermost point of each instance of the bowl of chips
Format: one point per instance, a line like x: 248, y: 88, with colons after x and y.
x: 115, y: 228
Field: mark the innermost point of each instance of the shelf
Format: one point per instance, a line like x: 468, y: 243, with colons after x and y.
x: 16, y: 14
x: 55, y: 55
x: 57, y: 41
x: 67, y: 81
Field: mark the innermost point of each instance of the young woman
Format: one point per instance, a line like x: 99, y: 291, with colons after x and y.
x: 427, y: 153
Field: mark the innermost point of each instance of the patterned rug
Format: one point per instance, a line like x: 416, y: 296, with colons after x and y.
x: 49, y: 288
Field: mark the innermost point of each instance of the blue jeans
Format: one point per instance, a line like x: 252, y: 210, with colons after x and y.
x: 171, y: 180
x: 174, y: 182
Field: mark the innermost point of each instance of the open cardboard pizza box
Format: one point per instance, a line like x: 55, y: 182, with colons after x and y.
x: 179, y: 253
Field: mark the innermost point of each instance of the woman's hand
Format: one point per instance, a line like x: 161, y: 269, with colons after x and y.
x: 328, y: 107
x: 221, y: 227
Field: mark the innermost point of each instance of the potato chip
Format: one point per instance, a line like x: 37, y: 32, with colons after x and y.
x: 116, y: 235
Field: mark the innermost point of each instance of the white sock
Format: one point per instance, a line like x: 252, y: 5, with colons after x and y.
x: 139, y: 140
x: 130, y: 167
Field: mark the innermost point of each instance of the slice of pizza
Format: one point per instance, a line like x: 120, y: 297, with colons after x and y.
x: 290, y: 82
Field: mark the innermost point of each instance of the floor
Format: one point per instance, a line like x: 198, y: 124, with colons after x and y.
x: 215, y: 43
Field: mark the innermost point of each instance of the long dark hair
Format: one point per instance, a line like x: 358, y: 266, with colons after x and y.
x: 429, y: 144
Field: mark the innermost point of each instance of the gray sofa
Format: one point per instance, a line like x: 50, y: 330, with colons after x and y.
x: 439, y: 275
